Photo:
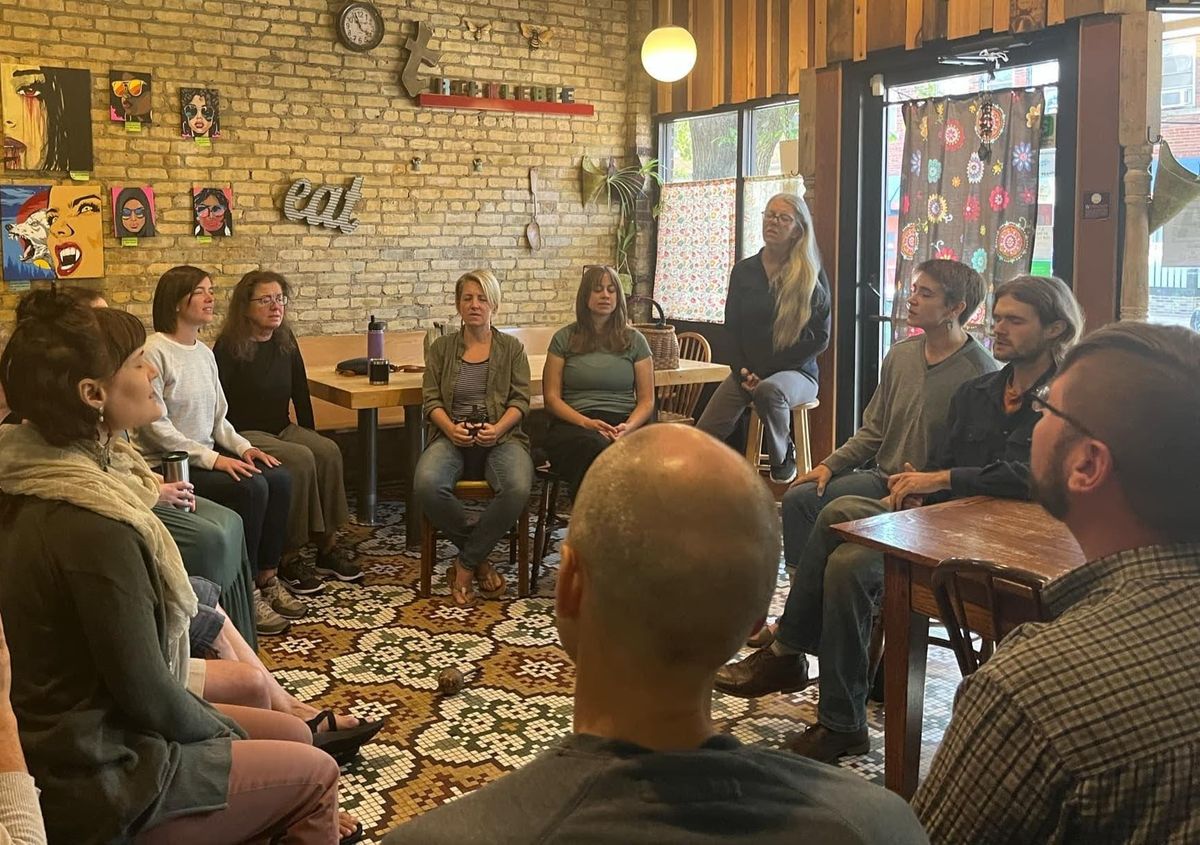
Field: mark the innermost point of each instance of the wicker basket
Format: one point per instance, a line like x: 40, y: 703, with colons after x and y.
x: 664, y: 345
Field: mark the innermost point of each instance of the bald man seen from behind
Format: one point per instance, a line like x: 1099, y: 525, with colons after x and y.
x: 671, y: 559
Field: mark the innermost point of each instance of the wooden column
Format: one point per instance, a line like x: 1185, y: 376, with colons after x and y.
x: 1141, y: 45
x: 820, y: 154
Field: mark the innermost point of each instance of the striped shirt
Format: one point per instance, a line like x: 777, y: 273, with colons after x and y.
x: 470, y: 393
x: 1087, y: 728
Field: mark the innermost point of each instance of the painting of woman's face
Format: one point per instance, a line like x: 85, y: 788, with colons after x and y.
x: 213, y: 210
x: 131, y: 96
x: 46, y: 118
x: 133, y: 211
x: 200, y: 113
x: 75, y: 240
x: 23, y: 106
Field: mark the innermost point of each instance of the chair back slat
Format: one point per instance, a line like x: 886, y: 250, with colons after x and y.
x: 961, y: 585
x: 682, y: 398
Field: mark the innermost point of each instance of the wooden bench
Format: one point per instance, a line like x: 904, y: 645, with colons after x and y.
x: 325, y: 351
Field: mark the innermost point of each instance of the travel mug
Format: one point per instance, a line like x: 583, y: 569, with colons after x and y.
x: 378, y: 371
x: 175, y: 468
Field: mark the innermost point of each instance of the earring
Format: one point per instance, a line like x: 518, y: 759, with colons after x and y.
x: 101, y: 415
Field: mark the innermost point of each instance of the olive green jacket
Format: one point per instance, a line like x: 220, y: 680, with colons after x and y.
x: 507, y: 384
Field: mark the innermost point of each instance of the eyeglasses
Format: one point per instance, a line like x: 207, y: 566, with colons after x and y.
x: 205, y: 111
x: 772, y: 217
x: 128, y: 213
x: 210, y: 210
x: 268, y: 301
x: 132, y: 87
x: 1038, y: 403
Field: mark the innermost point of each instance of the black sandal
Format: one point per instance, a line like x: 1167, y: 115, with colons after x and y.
x: 354, y: 837
x: 342, y: 744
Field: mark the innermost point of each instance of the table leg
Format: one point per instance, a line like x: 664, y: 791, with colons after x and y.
x: 414, y: 433
x: 906, y: 641
x: 368, y: 469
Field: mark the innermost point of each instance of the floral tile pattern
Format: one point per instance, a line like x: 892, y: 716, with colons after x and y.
x: 375, y: 650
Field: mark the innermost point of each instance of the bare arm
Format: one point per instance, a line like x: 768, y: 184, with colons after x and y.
x: 643, y: 380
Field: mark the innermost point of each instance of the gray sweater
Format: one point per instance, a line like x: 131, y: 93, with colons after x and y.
x: 906, y: 418
x: 592, y: 790
x: 188, y: 388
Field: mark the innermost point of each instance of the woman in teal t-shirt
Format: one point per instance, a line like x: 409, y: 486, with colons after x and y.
x: 598, y: 383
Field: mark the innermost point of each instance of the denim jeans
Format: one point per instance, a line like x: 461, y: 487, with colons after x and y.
x: 801, y: 504
x: 508, y: 470
x: 834, y: 593
x: 774, y: 399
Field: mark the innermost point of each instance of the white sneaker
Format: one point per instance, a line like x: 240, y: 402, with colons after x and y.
x: 266, y: 621
x: 283, y: 602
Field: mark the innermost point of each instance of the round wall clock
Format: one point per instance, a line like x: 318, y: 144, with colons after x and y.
x: 360, y: 26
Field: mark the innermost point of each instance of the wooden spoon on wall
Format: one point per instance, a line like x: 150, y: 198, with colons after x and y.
x: 533, y: 232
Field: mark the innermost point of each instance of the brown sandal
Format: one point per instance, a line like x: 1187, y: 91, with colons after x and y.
x: 460, y: 596
x: 481, y: 582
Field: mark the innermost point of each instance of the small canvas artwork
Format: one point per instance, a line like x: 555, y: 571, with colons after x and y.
x: 213, y: 210
x: 200, y: 112
x: 47, y: 118
x: 24, y: 230
x: 129, y: 96
x: 133, y: 211
x: 52, y: 232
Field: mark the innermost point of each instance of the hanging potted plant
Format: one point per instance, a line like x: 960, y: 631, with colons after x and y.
x: 625, y: 185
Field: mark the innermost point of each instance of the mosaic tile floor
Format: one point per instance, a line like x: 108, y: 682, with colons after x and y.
x: 375, y: 650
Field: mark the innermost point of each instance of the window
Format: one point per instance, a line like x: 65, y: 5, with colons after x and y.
x: 1179, y: 73
x: 718, y: 172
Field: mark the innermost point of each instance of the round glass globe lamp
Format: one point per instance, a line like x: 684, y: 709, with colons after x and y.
x: 669, y: 53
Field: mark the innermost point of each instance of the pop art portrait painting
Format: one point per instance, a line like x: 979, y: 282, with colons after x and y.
x: 75, y: 237
x: 200, y: 112
x: 46, y: 118
x: 24, y: 230
x: 133, y: 211
x: 213, y: 210
x: 129, y: 96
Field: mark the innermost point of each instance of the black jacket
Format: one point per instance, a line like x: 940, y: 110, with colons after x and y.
x: 750, y: 314
x: 987, y: 450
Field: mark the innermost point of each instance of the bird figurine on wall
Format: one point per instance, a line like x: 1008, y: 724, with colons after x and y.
x: 477, y: 30
x: 537, y: 36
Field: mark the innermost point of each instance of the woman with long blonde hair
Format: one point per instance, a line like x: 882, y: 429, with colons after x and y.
x: 777, y: 313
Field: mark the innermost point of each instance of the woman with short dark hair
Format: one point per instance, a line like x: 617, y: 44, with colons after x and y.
x: 224, y: 465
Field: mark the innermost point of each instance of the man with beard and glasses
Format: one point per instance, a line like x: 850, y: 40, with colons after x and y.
x: 837, y: 585
x: 1086, y: 729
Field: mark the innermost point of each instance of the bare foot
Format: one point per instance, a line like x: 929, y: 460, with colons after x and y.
x: 347, y: 824
x: 342, y: 720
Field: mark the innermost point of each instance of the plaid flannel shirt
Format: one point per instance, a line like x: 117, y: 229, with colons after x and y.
x: 1087, y: 728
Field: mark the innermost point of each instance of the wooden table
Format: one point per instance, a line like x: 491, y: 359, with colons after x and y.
x: 1016, y: 534
x: 404, y: 389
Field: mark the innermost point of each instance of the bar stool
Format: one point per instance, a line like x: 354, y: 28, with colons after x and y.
x: 547, y: 519
x: 518, y: 538
x: 760, y: 460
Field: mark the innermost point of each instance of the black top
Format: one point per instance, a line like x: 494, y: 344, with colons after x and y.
x: 987, y: 449
x: 259, y: 390
x: 750, y: 315
x: 587, y: 789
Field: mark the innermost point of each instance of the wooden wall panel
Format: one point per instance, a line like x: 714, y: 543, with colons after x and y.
x: 885, y: 26
x: 933, y: 20
x: 860, y: 30
x: 707, y: 89
x: 985, y: 14
x: 1056, y: 12
x: 662, y: 90
x: 773, y: 68
x: 962, y: 18
x: 999, y: 15
x: 799, y: 44
x: 841, y: 30
x: 821, y: 33
x: 914, y: 19
x: 1080, y: 8
x: 743, y: 50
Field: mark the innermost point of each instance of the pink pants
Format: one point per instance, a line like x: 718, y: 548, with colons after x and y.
x: 281, y: 789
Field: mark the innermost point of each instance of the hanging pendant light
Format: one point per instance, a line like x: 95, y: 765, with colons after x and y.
x: 669, y: 53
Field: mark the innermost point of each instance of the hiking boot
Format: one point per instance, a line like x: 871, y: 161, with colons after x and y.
x: 826, y: 746
x: 281, y: 601
x: 763, y: 672
x: 300, y: 577
x: 336, y: 564
x: 266, y: 621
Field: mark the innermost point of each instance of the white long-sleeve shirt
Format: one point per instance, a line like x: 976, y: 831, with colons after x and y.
x: 188, y: 390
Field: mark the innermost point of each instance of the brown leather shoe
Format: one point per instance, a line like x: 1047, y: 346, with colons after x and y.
x: 826, y: 746
x: 763, y: 672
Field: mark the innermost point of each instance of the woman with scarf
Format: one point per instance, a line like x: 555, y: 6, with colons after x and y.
x: 97, y: 607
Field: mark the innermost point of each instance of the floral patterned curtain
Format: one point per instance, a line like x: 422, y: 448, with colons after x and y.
x: 969, y: 188
x: 695, y: 248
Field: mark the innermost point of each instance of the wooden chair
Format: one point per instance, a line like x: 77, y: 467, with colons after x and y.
x: 962, y: 586
x: 677, y: 402
x: 547, y: 519
x: 518, y: 539
x: 754, y: 450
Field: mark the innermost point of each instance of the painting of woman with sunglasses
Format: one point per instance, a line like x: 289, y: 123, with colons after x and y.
x: 214, y: 211
x: 129, y: 96
x: 133, y: 211
x: 200, y: 111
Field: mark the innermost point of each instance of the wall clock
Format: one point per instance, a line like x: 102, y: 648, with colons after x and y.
x: 360, y: 26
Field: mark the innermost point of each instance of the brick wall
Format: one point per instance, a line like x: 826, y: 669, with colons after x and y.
x: 296, y: 103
